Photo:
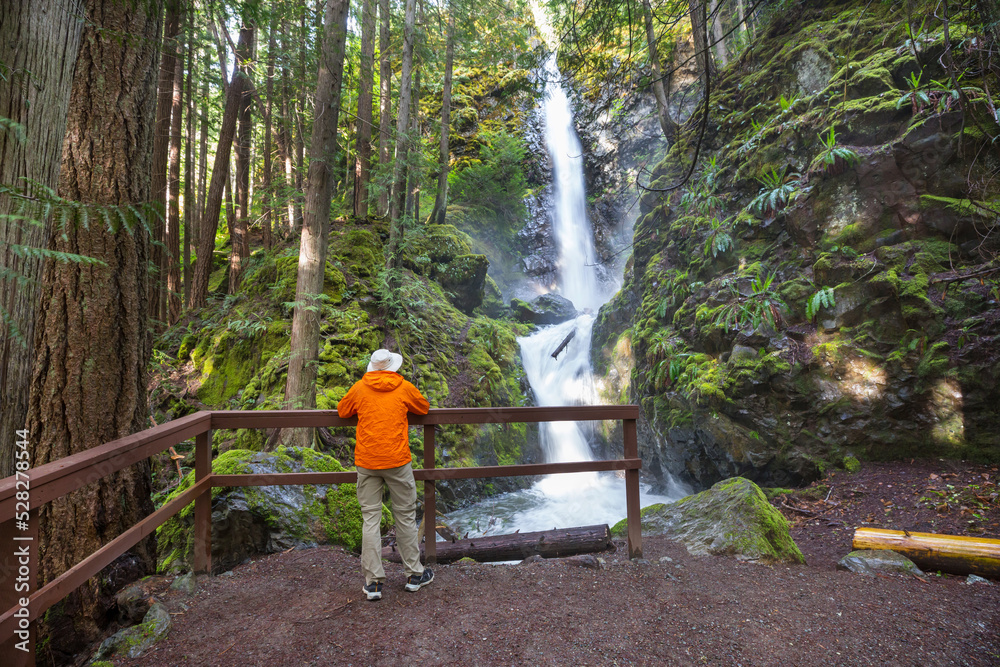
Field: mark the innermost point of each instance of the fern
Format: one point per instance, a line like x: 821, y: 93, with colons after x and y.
x: 762, y: 306
x: 833, y: 158
x: 779, y: 190
x: 822, y: 298
x: 718, y: 240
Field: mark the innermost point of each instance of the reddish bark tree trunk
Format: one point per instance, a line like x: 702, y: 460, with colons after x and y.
x: 362, y: 168
x: 161, y: 146
x: 385, y: 104
x: 89, y: 384
x: 213, y: 204
x: 444, y: 153
x: 38, y: 42
x: 172, y: 234
x: 240, y: 240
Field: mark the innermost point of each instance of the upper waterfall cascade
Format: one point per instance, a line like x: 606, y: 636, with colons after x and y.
x: 578, y: 498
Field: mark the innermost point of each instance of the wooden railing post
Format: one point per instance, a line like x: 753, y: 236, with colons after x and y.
x: 18, y: 577
x: 632, y: 490
x: 203, y: 505
x: 430, y: 511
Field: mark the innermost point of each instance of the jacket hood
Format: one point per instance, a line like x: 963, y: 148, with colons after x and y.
x: 382, y: 380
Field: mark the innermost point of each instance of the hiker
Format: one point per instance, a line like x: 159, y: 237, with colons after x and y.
x: 381, y: 399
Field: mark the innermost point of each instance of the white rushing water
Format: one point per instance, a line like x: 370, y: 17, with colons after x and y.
x: 566, y: 500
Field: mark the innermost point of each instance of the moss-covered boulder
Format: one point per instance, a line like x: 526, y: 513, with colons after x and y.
x: 252, y: 520
x: 133, y: 641
x: 733, y: 518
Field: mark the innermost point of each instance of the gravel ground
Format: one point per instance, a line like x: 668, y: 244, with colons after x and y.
x: 306, y: 607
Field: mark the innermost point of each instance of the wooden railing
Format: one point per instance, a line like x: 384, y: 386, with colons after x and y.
x: 22, y: 494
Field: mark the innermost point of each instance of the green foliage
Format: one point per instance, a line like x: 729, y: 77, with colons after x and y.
x: 496, y: 184
x: 718, y: 240
x: 787, y: 103
x: 833, y: 158
x: 778, y: 191
x: 822, y: 298
x: 762, y: 306
x: 941, y: 95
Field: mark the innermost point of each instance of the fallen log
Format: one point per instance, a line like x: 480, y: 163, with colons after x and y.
x: 953, y: 554
x: 562, y: 345
x: 518, y: 546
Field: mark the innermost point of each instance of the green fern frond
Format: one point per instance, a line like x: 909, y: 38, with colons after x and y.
x: 29, y: 252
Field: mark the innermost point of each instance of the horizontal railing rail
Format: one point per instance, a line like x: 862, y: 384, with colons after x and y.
x: 58, y: 478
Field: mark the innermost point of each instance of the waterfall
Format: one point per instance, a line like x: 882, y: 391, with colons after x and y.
x: 566, y: 499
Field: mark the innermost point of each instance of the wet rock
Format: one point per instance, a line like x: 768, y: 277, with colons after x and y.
x: 733, y: 518
x: 185, y: 583
x: 546, y: 309
x: 134, y: 641
x: 133, y: 602
x: 975, y: 579
x: 252, y: 520
x: 871, y: 561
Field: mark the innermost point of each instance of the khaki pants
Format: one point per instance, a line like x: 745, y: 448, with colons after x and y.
x: 403, y: 491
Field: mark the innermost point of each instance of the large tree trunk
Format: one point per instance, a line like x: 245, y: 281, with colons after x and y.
x: 161, y: 149
x: 189, y: 193
x: 444, y: 152
x: 266, y: 182
x: 240, y: 241
x: 299, y: 116
x: 660, y: 87
x: 89, y: 384
x: 220, y: 175
x: 287, y: 122
x: 362, y: 169
x: 202, y: 155
x: 397, y: 201
x: 385, y: 104
x: 414, y: 175
x: 718, y: 32
x: 172, y: 236
x: 38, y: 45
x: 300, y: 389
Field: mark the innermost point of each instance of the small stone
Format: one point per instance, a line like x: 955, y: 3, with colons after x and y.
x: 585, y: 560
x: 227, y: 573
x: 531, y: 559
x: 975, y: 579
x: 185, y: 583
x: 640, y: 561
x: 870, y: 561
x: 666, y: 559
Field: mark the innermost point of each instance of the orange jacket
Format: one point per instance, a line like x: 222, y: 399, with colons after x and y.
x: 381, y: 400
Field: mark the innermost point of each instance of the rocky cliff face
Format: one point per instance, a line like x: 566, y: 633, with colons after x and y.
x: 826, y: 283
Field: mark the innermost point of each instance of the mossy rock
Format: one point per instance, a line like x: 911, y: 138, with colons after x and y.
x: 733, y: 518
x: 248, y: 521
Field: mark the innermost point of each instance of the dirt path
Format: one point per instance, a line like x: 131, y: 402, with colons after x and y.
x: 305, y: 607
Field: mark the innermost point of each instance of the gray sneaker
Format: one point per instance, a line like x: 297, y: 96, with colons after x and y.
x: 373, y: 591
x: 417, y: 581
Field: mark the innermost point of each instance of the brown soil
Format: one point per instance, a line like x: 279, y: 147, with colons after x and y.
x: 306, y: 607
